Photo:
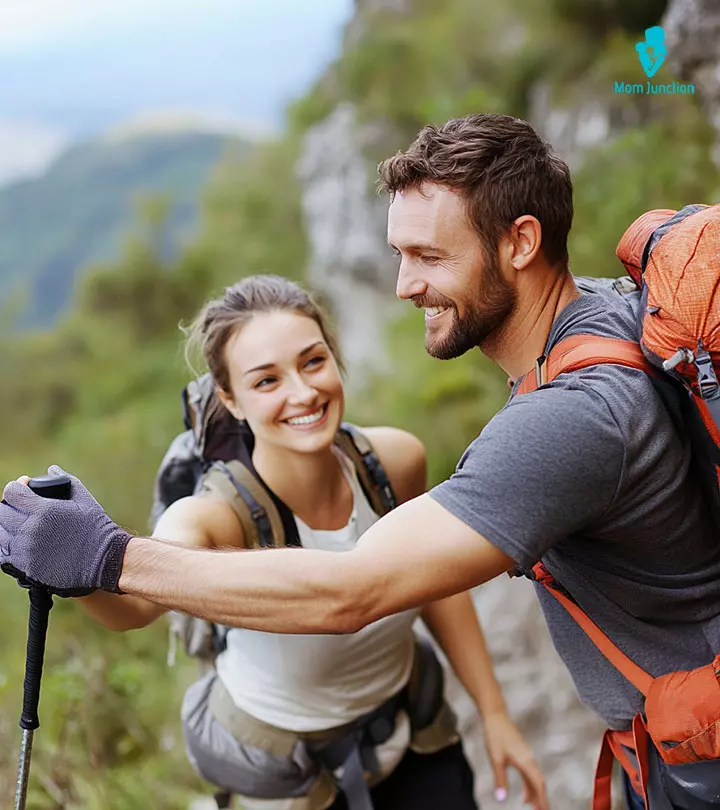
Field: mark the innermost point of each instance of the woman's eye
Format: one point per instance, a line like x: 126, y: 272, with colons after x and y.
x: 264, y: 382
x: 315, y: 361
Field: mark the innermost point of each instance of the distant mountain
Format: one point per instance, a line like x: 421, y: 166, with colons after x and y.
x: 78, y: 211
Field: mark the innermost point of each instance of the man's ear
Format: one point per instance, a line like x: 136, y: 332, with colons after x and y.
x: 525, y: 241
x: 229, y: 402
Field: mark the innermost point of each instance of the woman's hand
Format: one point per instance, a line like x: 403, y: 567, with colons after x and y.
x: 507, y: 747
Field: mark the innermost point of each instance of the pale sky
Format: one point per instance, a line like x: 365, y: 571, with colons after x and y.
x: 76, y: 68
x: 27, y: 24
x: 79, y: 66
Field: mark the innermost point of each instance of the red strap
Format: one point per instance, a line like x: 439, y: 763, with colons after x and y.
x: 637, y: 676
x: 614, y: 745
x: 602, y: 795
x: 642, y: 752
x: 582, y: 351
x: 572, y: 354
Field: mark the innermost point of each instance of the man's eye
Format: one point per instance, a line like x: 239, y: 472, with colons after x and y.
x: 430, y: 259
x: 396, y: 253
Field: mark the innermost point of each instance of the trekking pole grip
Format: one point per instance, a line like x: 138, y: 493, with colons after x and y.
x: 48, y: 486
x: 40, y: 605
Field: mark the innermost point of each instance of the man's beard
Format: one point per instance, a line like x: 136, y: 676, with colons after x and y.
x: 483, y: 317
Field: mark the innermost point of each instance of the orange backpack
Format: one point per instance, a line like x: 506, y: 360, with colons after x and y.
x: 674, y: 261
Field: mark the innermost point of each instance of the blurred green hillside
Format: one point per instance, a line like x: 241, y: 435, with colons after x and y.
x: 99, y: 394
x: 77, y: 211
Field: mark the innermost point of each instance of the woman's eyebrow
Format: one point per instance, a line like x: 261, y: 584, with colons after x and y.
x: 266, y: 366
x: 311, y: 347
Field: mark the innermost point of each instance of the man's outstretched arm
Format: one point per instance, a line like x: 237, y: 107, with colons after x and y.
x: 416, y: 554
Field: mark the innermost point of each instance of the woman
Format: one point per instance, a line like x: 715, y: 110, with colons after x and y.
x: 279, y: 713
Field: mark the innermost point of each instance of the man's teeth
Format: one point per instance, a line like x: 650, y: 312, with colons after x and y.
x: 433, y: 311
x: 309, y: 419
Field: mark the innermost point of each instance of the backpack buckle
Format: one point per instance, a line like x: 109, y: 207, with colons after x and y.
x: 707, y: 379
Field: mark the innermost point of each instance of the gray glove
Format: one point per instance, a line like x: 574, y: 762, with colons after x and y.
x: 67, y: 545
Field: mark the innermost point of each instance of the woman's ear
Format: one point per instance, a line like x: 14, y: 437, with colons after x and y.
x: 229, y: 402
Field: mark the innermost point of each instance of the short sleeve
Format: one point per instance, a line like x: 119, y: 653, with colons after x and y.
x: 544, y: 468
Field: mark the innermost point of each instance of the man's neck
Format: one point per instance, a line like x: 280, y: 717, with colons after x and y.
x: 523, y: 338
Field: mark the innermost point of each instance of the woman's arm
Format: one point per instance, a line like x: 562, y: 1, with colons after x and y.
x: 201, y: 522
x: 455, y: 626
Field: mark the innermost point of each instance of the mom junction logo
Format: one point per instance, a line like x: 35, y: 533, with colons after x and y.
x: 651, y: 53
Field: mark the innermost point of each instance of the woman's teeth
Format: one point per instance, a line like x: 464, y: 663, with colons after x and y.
x: 309, y: 419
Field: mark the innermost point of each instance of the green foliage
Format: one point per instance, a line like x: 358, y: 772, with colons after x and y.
x: 599, y: 17
x: 665, y: 165
x: 445, y: 404
x: 252, y: 217
x: 442, y: 61
x: 103, y: 401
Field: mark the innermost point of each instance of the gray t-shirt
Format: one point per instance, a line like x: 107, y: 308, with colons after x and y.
x: 590, y: 475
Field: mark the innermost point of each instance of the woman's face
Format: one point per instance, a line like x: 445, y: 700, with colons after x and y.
x: 285, y: 382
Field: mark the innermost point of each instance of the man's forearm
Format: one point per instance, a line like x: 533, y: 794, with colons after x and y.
x: 313, y: 592
x: 418, y: 553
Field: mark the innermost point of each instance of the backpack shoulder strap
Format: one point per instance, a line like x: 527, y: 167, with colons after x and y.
x: 234, y: 483
x: 583, y: 351
x: 371, y: 474
x: 640, y: 679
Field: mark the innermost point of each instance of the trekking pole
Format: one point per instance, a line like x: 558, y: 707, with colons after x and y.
x: 49, y: 486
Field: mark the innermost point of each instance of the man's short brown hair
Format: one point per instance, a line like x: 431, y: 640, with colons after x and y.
x: 502, y: 168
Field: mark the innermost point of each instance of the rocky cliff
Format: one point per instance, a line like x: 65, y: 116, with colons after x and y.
x: 692, y: 30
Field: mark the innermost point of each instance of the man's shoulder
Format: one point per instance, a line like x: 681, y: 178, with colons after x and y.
x: 560, y: 423
x: 572, y: 401
x: 599, y: 315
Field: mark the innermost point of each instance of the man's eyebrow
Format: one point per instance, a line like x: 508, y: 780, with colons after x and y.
x: 418, y: 247
x: 266, y: 366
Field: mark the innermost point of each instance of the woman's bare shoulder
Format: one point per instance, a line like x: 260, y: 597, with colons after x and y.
x: 201, y: 520
x: 403, y: 456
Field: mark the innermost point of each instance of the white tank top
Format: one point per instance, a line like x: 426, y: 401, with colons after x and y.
x: 315, y: 682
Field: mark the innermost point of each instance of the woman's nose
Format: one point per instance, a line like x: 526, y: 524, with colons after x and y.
x: 302, y: 392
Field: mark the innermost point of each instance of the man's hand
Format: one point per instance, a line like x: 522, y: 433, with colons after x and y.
x: 65, y: 545
x: 507, y: 747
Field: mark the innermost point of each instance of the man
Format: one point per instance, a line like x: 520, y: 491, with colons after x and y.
x: 587, y: 473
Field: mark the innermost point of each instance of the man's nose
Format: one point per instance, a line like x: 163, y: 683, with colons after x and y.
x: 409, y: 283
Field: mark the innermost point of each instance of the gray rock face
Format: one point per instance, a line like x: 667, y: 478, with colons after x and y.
x: 345, y: 218
x: 564, y: 735
x: 692, y: 29
x: 571, y: 129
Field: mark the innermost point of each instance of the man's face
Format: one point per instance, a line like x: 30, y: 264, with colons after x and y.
x: 445, y: 269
